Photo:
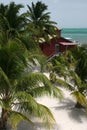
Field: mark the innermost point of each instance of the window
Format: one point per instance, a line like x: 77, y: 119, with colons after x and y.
x: 57, y: 48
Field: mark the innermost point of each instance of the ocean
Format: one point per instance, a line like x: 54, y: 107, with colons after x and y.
x: 75, y: 34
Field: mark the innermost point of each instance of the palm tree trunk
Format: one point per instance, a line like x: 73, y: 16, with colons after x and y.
x: 3, y: 119
x: 78, y: 105
x: 4, y: 113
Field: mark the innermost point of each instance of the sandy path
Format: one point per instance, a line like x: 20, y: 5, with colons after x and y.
x: 67, y: 117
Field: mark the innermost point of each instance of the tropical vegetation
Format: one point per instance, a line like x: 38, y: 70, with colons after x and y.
x: 73, y: 68
x: 19, y: 84
x: 39, y: 23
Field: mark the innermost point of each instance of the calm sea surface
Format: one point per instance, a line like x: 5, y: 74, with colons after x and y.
x: 76, y: 34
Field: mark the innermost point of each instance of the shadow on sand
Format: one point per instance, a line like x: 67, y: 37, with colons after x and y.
x: 78, y: 114
x: 68, y: 106
x: 74, y: 113
x: 37, y: 126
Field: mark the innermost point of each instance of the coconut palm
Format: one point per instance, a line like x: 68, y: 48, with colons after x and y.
x: 19, y: 87
x: 11, y: 23
x: 80, y: 76
x: 39, y: 20
x: 59, y: 65
x: 3, y: 9
x: 67, y: 66
x: 81, y: 66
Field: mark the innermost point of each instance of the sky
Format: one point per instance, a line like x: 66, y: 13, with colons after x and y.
x: 67, y: 13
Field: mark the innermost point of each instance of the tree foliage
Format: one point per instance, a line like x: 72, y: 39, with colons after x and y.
x: 73, y: 68
x: 19, y: 84
x: 39, y: 22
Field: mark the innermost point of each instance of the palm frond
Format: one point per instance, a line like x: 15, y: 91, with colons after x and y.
x: 13, y: 59
x: 46, y: 116
x: 64, y: 84
x: 15, y: 118
x: 80, y: 98
x: 4, y: 78
x: 38, y: 81
x: 24, y: 102
x: 27, y: 104
x: 76, y: 79
x: 40, y: 91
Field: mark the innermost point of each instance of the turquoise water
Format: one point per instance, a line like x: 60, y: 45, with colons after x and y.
x: 76, y: 34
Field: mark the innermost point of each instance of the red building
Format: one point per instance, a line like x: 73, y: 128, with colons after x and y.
x: 56, y: 45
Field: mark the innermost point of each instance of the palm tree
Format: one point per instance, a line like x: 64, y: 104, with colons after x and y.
x: 67, y: 66
x: 11, y: 23
x: 39, y: 20
x: 19, y: 87
x: 3, y: 9
x: 81, y: 66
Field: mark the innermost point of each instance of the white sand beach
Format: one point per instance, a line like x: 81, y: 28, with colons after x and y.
x: 66, y: 115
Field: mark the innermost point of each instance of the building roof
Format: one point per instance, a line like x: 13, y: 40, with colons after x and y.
x: 67, y: 43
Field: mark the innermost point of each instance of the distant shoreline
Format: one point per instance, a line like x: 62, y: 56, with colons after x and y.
x: 76, y: 34
x: 74, y: 28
